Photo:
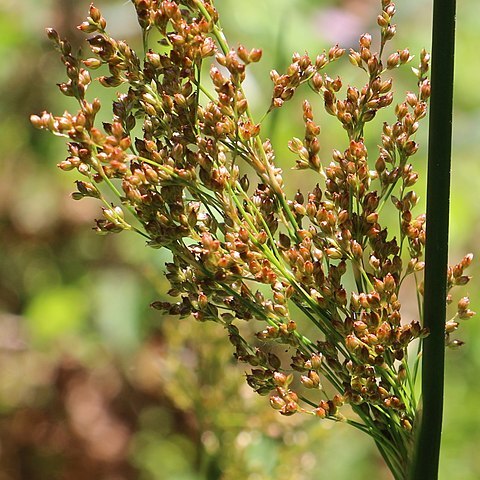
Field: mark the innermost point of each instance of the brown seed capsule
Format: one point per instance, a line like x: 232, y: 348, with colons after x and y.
x: 355, y: 58
x: 393, y: 61
x: 425, y: 90
x: 450, y: 326
x: 255, y: 55
x: 405, y: 55
x: 95, y: 13
x: 365, y: 40
x: 320, y: 412
x: 383, y: 20
x: 280, y: 379
x: 390, y: 32
x: 277, y: 402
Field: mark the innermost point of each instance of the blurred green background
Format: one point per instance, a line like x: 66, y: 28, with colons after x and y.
x: 96, y: 385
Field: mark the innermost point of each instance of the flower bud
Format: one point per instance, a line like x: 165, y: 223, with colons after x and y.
x: 365, y: 40
x: 405, y: 56
x: 383, y: 21
x: 95, y: 14
x: 255, y: 55
x: 355, y: 58
x: 390, y: 32
x: 320, y: 412
x: 277, y: 402
x: 52, y: 35
x: 393, y: 61
x: 450, y: 326
x: 87, y: 189
x: 280, y: 379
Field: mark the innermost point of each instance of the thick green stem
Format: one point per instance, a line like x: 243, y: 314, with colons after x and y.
x: 426, y: 455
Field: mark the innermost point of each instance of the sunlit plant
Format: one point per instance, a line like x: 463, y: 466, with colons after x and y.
x: 191, y: 171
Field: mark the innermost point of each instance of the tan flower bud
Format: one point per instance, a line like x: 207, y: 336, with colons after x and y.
x: 359, y: 327
x: 425, y: 90
x: 280, y: 379
x: 274, y: 76
x: 450, y: 326
x: 37, y: 122
x: 92, y: 63
x: 243, y: 54
x: 352, y: 343
x: 320, y: 412
x: 393, y: 61
x: 356, y: 249
x: 373, y: 65
x: 336, y: 84
x: 463, y: 303
x: 390, y: 32
x: 315, y: 378
x: 390, y: 9
x: 87, y: 189
x: 307, y: 382
x: 400, y: 111
x: 277, y: 402
x: 320, y: 61
x: 333, y: 253
x: 411, y: 148
x: 113, y: 214
x: 87, y: 27
x: 384, y: 333
x: 365, y: 40
x: 94, y: 13
x: 255, y: 55
x: 466, y: 314
x: 383, y: 20
x: 405, y: 56
x: 335, y: 53
x: 467, y: 260
x: 355, y: 58
x: 208, y: 48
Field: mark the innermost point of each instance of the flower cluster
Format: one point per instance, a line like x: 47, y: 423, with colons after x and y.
x: 249, y: 253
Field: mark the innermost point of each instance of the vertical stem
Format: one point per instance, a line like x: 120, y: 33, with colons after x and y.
x: 427, y: 450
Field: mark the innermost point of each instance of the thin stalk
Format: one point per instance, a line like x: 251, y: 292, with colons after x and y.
x: 427, y: 449
x: 392, y: 463
x: 145, y: 33
x: 280, y: 65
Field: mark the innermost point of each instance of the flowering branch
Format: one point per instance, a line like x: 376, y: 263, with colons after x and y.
x: 244, y: 256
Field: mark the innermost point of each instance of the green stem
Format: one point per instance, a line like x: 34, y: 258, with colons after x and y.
x: 392, y: 462
x: 145, y: 33
x: 427, y: 451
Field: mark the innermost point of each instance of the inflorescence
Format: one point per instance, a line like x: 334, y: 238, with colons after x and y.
x: 316, y: 274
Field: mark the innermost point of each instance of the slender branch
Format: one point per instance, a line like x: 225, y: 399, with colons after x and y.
x: 427, y: 452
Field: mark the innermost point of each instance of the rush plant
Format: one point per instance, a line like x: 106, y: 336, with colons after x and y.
x: 317, y: 274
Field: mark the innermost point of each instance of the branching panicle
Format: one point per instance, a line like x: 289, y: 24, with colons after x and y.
x: 246, y: 252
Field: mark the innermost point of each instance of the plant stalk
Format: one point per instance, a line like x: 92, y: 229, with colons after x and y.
x: 427, y: 448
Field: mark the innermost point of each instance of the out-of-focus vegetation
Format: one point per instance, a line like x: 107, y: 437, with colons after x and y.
x: 93, y: 383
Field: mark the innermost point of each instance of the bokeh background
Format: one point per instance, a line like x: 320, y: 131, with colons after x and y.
x: 96, y: 385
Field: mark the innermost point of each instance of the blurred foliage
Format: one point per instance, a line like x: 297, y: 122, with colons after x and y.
x: 93, y: 384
